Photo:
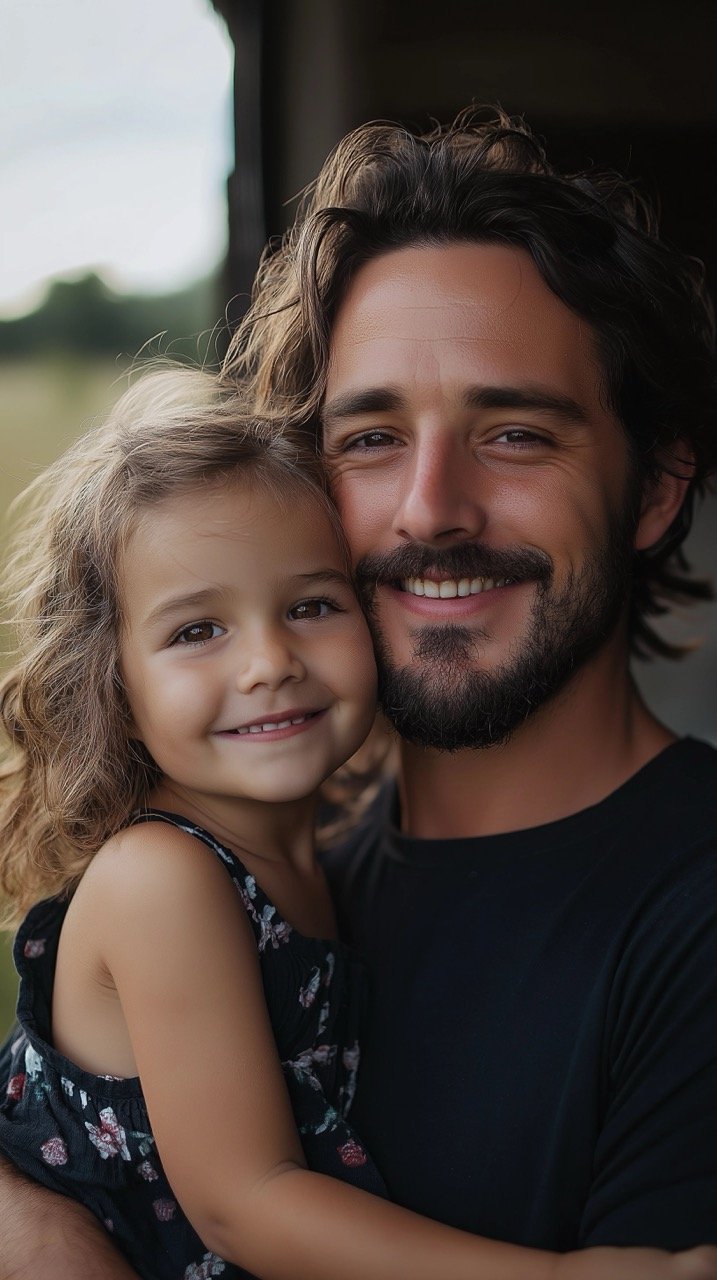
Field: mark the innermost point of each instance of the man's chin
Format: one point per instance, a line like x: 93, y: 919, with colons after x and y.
x: 450, y: 709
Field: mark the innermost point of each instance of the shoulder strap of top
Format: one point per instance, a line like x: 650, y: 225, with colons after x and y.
x: 224, y: 854
x: 266, y: 922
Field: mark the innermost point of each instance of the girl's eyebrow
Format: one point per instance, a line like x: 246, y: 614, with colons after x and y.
x: 176, y: 604
x: 200, y: 599
x: 325, y: 576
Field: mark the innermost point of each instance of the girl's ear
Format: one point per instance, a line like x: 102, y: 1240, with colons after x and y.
x: 663, y: 496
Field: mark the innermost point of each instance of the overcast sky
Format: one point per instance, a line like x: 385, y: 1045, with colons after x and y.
x: 115, y: 142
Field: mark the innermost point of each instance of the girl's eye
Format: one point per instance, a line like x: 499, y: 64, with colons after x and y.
x: 198, y: 633
x: 308, y: 609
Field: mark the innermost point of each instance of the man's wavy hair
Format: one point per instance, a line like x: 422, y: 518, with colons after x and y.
x: 72, y: 773
x: 594, y: 241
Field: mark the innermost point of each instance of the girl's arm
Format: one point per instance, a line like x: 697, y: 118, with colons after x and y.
x: 177, y: 943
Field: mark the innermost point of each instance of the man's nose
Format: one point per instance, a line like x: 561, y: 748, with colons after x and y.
x: 267, y: 658
x: 440, y: 499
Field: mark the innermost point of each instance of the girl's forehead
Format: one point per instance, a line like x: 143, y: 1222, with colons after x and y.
x: 233, y: 516
x: 232, y: 502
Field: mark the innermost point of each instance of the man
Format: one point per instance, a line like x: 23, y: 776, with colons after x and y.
x: 515, y: 382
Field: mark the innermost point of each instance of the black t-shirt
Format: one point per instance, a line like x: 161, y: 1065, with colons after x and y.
x: 541, y: 1063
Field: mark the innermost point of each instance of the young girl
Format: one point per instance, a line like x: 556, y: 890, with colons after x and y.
x: 193, y: 665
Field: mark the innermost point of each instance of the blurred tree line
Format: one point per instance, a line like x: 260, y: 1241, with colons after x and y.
x: 87, y: 316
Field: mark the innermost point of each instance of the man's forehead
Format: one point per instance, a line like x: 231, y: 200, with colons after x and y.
x: 445, y: 292
x: 456, y: 314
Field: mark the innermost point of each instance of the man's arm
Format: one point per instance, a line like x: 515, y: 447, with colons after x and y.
x: 44, y: 1234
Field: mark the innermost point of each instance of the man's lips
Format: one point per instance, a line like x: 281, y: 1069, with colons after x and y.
x: 447, y: 598
x: 449, y: 577
x: 277, y: 724
x: 445, y: 588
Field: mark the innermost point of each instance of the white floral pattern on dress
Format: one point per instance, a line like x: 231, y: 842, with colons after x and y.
x: 271, y: 932
x: 109, y: 1137
x: 33, y: 1063
x: 211, y: 1265
x: 307, y: 993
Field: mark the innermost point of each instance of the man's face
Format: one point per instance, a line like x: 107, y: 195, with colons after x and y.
x: 483, y: 486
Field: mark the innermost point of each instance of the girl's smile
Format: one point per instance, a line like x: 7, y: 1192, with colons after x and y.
x: 282, y: 724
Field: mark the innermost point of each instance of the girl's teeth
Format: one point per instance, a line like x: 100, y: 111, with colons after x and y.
x: 276, y: 724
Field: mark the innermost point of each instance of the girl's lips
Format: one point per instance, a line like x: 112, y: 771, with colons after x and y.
x: 288, y: 726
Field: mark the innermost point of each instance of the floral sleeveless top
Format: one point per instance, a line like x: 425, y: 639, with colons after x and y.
x: 89, y: 1136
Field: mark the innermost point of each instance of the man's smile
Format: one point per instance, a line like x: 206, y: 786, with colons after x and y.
x: 447, y: 588
x: 444, y: 599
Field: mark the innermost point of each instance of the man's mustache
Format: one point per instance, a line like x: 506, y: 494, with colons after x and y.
x: 464, y: 560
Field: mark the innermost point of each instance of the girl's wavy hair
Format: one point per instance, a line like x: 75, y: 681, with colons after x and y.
x: 72, y: 773
x: 594, y: 241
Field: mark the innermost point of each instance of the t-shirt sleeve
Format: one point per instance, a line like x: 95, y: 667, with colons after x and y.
x: 655, y: 1167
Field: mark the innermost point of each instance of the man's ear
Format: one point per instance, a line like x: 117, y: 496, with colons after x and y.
x: 663, y: 496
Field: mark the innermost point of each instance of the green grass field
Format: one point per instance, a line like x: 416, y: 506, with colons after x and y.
x: 44, y: 404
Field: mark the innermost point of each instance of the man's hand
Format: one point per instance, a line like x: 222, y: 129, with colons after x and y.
x: 44, y: 1234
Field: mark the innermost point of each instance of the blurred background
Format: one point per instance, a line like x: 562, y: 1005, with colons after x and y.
x: 148, y: 148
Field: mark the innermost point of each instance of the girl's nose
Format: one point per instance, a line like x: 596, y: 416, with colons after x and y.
x: 268, y: 660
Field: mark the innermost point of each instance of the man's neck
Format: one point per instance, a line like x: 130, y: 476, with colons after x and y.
x: 572, y: 753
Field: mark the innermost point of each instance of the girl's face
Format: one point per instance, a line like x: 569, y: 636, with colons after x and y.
x: 245, y: 656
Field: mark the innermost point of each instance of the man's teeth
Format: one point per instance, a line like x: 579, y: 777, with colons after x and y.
x: 274, y: 724
x: 450, y: 587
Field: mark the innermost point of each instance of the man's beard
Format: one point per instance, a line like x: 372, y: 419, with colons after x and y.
x: 440, y: 700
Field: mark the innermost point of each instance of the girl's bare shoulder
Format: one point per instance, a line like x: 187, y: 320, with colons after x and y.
x: 151, y: 865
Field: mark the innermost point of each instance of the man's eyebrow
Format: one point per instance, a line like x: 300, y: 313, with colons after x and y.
x: 388, y: 399
x: 351, y: 403
x: 541, y: 399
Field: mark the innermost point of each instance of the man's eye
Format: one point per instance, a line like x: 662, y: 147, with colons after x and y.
x: 305, y: 610
x: 519, y: 436
x: 198, y: 633
x: 370, y: 440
